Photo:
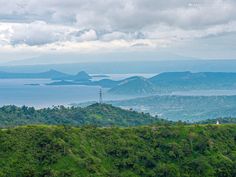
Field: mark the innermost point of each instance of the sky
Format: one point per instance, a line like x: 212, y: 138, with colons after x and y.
x: 155, y: 29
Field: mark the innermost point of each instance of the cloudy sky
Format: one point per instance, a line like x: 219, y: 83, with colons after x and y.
x: 192, y: 28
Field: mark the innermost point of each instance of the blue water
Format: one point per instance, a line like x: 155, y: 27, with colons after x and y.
x: 17, y: 92
x: 14, y: 91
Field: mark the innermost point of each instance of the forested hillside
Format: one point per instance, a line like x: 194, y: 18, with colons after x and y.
x: 163, y: 151
x: 96, y: 114
x: 168, y: 82
x: 185, y: 108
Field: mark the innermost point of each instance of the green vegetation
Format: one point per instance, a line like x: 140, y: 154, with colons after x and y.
x: 168, y: 151
x: 133, y: 85
x: 192, y: 108
x: 229, y: 120
x: 168, y: 82
x: 96, y: 114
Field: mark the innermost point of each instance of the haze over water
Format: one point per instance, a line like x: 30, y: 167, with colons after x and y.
x: 17, y: 92
x: 34, y: 92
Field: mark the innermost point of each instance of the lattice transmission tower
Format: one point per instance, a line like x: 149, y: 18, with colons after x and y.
x: 100, y: 96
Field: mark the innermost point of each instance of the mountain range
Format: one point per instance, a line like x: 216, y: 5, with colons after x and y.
x: 50, y: 74
x: 148, y: 67
x: 165, y: 82
x: 176, y: 81
x: 161, y: 83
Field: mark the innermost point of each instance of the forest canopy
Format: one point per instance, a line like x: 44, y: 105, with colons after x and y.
x: 164, y: 151
x: 97, y: 114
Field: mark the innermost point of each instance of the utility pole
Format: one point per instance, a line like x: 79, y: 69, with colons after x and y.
x: 100, y: 96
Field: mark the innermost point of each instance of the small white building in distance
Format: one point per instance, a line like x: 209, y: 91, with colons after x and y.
x: 217, y: 122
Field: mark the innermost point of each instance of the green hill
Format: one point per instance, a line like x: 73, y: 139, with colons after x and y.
x: 163, y: 151
x: 168, y: 82
x: 185, y: 108
x: 96, y: 114
x: 134, y: 86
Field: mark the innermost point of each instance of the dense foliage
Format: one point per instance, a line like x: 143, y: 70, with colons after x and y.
x: 168, y: 151
x: 96, y: 114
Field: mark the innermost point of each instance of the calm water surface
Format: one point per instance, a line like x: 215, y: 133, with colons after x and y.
x: 17, y: 92
x: 14, y: 91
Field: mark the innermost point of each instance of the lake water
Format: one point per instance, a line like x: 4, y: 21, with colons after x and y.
x: 17, y: 92
x: 34, y: 92
x: 14, y: 91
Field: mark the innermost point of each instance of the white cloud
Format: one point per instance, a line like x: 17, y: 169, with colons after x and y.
x: 36, y: 33
x: 85, y: 35
x: 120, y: 14
x: 88, y: 25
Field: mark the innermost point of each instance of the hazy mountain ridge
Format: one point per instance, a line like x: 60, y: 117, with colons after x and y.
x: 80, y: 76
x: 51, y: 74
x: 134, y: 85
x: 179, y: 81
x: 185, y: 108
x: 166, y: 82
x: 131, y: 67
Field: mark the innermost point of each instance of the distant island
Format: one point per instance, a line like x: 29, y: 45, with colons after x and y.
x: 51, y: 74
x: 32, y: 84
x: 166, y: 82
x: 162, y: 83
x: 64, y: 82
x: 100, y: 76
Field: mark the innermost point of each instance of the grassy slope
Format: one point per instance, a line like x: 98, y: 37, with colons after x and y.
x: 197, y: 150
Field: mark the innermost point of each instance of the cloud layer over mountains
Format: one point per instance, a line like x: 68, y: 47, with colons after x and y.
x: 87, y: 25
